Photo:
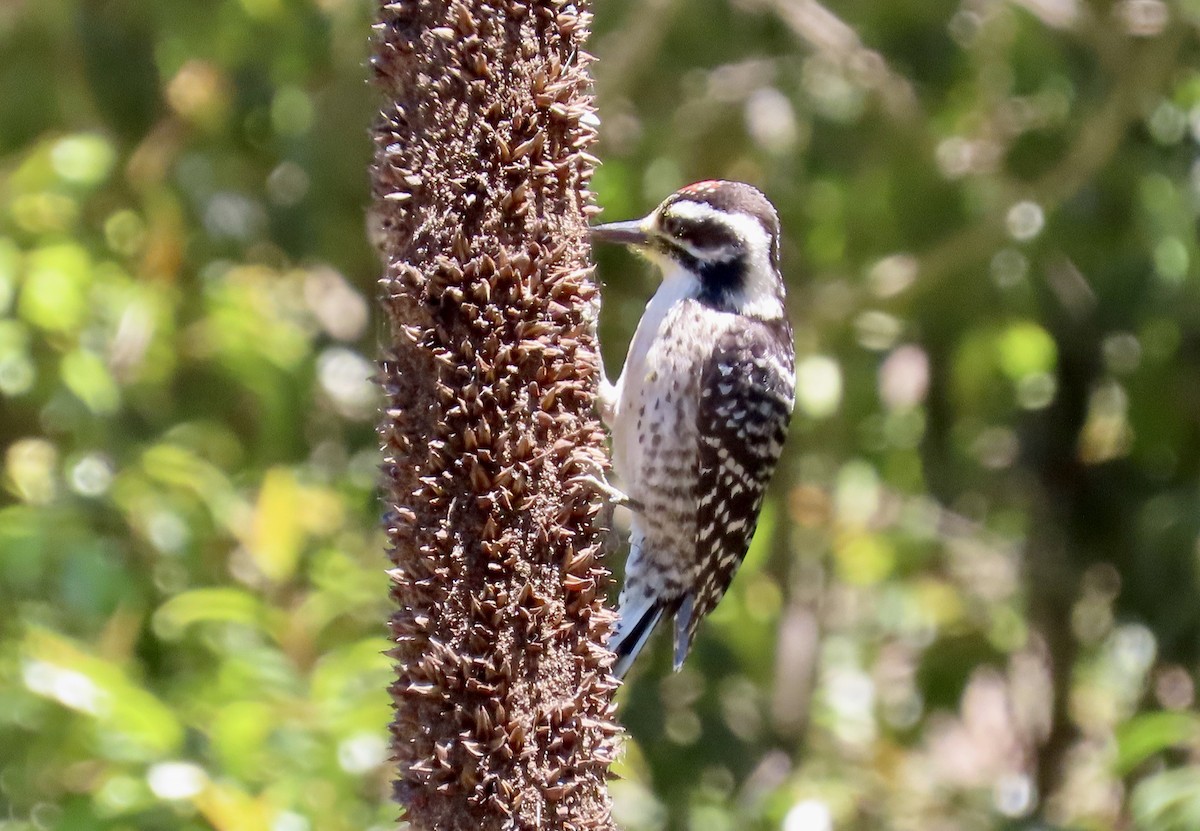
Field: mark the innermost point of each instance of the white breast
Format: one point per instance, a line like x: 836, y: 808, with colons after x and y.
x: 639, y: 369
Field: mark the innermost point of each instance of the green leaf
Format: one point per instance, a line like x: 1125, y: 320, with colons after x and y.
x: 239, y: 735
x: 179, y: 467
x: 86, y: 375
x: 131, y: 723
x: 278, y: 533
x: 224, y: 605
x: 83, y: 159
x: 1168, y: 801
x: 1145, y: 735
x: 53, y: 296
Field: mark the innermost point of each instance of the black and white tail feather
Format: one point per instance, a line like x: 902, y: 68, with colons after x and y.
x: 639, y: 616
x: 633, y: 630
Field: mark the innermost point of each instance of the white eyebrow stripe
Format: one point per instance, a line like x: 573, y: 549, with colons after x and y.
x: 747, y: 227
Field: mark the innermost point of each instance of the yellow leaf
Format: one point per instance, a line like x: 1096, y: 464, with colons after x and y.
x: 228, y: 808
x: 277, y: 534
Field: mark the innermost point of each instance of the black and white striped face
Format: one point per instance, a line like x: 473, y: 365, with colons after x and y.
x: 722, y: 235
x: 718, y: 222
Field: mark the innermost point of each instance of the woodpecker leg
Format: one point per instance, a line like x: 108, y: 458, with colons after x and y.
x: 616, y: 496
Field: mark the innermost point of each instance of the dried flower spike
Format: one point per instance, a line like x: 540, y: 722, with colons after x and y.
x: 503, y: 698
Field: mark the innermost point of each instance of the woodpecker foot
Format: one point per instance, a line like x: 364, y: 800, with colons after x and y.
x: 617, y: 497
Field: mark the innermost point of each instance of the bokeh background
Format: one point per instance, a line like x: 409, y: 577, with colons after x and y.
x: 974, y: 600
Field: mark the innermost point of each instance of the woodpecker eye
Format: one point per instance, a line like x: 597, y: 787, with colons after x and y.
x: 708, y: 237
x: 671, y: 225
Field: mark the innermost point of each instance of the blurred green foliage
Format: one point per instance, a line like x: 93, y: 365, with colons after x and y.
x: 190, y: 564
x: 974, y: 600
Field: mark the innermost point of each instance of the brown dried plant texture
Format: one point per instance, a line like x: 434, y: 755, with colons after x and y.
x: 503, y: 698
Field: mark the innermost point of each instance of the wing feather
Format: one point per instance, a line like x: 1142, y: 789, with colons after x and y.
x: 747, y: 392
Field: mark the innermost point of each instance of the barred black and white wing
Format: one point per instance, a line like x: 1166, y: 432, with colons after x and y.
x: 747, y: 391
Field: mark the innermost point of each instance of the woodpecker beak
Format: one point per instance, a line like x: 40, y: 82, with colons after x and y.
x: 632, y: 232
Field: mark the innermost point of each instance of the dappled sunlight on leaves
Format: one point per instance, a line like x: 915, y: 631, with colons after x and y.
x: 194, y: 576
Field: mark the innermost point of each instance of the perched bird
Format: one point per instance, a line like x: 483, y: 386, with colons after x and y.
x: 700, y: 412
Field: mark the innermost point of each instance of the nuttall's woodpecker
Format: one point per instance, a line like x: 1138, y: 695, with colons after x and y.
x: 701, y: 410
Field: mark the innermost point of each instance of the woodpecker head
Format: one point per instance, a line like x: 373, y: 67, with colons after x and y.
x: 722, y: 236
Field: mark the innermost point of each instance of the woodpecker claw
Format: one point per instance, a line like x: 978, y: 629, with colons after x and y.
x: 616, y: 496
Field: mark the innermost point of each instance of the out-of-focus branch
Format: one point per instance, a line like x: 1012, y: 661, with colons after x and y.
x: 1057, y: 14
x: 1149, y: 65
x: 633, y: 42
x: 835, y: 41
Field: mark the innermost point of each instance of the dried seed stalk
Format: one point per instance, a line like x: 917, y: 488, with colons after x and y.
x: 503, y: 699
